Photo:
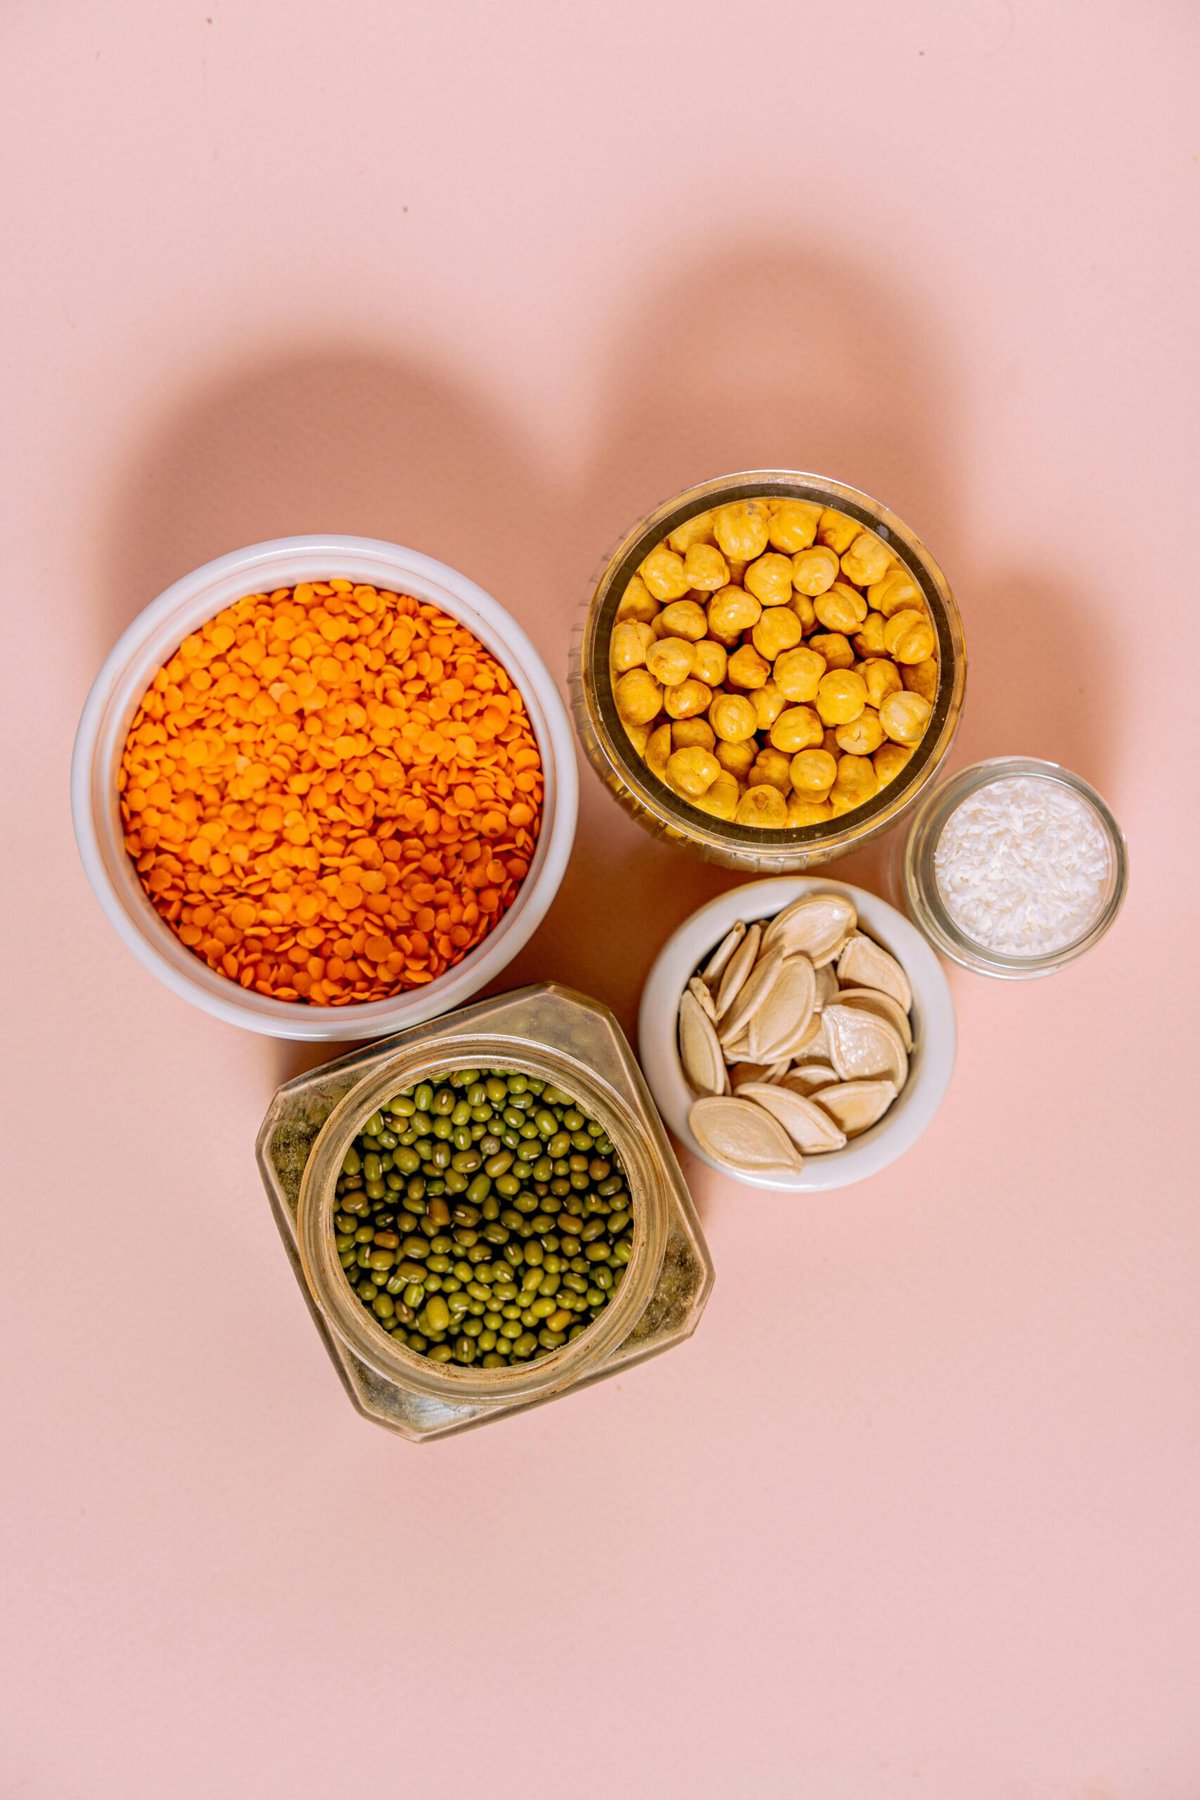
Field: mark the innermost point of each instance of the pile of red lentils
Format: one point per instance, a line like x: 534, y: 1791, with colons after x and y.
x: 331, y: 792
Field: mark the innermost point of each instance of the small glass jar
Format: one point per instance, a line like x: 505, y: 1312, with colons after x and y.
x: 651, y: 801
x: 558, y: 1036
x: 922, y: 897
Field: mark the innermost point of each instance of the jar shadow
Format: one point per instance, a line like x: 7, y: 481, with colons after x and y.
x: 767, y: 356
x: 1040, y: 677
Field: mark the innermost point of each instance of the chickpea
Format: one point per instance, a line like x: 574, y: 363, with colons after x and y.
x: 747, y: 669
x: 685, y: 619
x: 868, y: 640
x: 841, y: 697
x: 663, y: 574
x: 896, y: 590
x: 762, y: 806
x: 922, y: 678
x: 836, y: 530
x: 628, y: 645
x: 696, y: 530
x: 736, y: 759
x: 798, y: 728
x: 807, y: 812
x: 731, y: 611
x: 888, y: 760
x: 772, y: 767
x: 688, y: 699
x: 711, y: 661
x: 721, y: 799
x: 813, y: 773
x: 904, y: 717
x: 814, y: 571
x: 741, y: 528
x: 882, y: 678
x: 732, y: 718
x: 658, y: 750
x: 670, y: 660
x: 692, y: 771
x: 770, y: 579
x: 909, y: 637
x: 805, y: 611
x: 692, y: 734
x: 638, y: 697
x: 793, y: 525
x: 768, y: 703
x: 841, y: 609
x: 856, y: 782
x: 778, y: 630
x: 638, y: 735
x: 835, y: 647
x: 797, y: 673
x: 705, y: 567
x: 637, y: 602
x: 868, y: 559
x: 829, y: 741
x: 862, y: 736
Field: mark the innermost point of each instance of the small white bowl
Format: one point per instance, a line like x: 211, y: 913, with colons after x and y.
x: 930, y: 1066
x: 153, y: 638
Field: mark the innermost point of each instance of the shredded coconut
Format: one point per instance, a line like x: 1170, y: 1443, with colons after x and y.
x: 1023, y: 866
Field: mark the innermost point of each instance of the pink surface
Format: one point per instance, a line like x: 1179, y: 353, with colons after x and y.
x: 915, y: 1513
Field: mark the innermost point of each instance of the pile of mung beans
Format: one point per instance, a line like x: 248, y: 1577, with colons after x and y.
x: 483, y: 1218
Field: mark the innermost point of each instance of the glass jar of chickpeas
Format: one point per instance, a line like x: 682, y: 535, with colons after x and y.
x: 771, y: 669
x: 484, y: 1212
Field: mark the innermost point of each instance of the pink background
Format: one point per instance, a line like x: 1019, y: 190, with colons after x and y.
x: 916, y: 1511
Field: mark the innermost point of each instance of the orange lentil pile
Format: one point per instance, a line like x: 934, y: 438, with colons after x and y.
x: 331, y: 792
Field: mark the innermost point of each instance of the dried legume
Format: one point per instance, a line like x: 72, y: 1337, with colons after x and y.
x: 488, y: 1242
x: 785, y: 628
x: 331, y: 793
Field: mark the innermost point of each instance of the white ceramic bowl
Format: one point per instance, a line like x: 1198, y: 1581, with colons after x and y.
x: 155, y: 635
x: 930, y: 1066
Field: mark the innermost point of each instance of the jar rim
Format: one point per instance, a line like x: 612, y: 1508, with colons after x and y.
x: 769, y: 846
x: 365, y: 1336
x: 922, y: 892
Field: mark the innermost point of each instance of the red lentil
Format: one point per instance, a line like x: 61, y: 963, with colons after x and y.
x: 331, y: 792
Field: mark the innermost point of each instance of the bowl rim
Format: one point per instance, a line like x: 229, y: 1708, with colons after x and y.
x: 933, y: 1060
x: 122, y: 679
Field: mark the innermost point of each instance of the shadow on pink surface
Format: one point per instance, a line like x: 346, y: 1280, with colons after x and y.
x: 764, y: 358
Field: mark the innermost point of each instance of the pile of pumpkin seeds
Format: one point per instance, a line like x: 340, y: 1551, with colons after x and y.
x: 483, y: 1218
x: 795, y: 1036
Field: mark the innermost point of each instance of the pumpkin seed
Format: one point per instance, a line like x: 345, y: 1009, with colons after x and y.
x: 714, y: 968
x: 703, y: 996
x: 863, y: 964
x: 810, y: 1129
x: 750, y: 995
x: 862, y: 1046
x: 795, y: 1035
x: 808, y: 1077
x: 743, y: 1137
x: 874, y: 1000
x: 817, y: 925
x: 780, y: 1023
x: 740, y: 963
x: 700, y: 1052
x: 856, y: 1105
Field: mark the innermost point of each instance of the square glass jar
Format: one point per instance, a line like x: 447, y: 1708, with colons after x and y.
x: 561, y: 1037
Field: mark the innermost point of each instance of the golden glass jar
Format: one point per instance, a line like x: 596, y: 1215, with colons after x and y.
x: 658, y: 807
x: 557, y: 1036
